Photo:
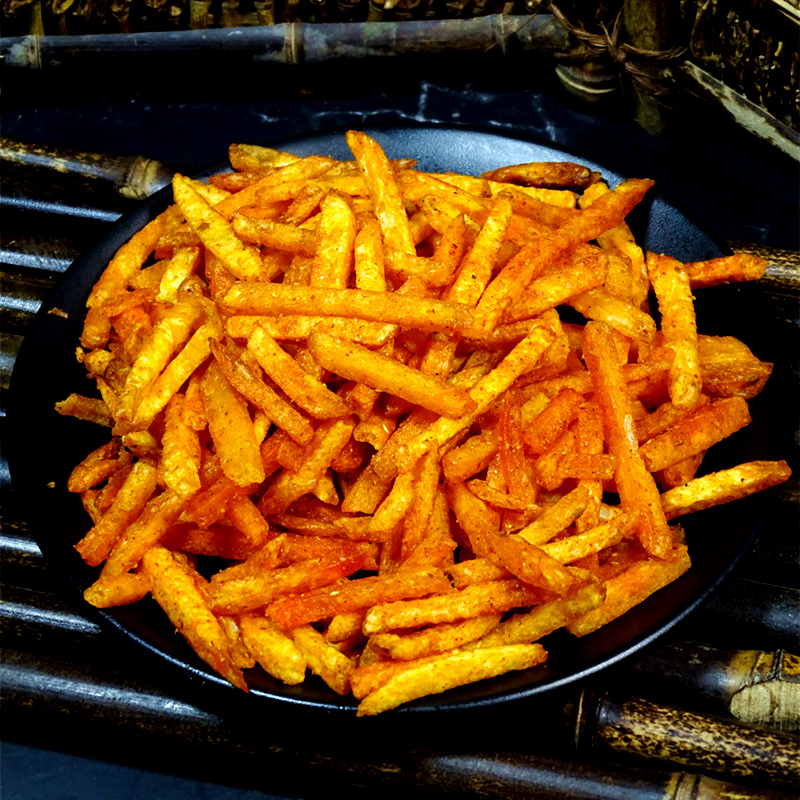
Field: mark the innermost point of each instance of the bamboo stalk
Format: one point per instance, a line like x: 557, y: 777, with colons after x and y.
x: 297, y: 42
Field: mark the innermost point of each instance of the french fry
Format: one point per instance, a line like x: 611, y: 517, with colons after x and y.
x: 725, y: 269
x: 175, y: 590
x: 448, y: 672
x: 273, y: 649
x: 323, y: 658
x: 724, y: 486
x: 635, y: 485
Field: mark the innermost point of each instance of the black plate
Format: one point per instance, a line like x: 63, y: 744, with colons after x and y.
x: 46, y: 446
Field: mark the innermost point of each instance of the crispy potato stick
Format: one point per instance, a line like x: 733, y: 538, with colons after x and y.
x: 249, y: 384
x: 336, y: 234
x: 304, y: 389
x: 180, y: 452
x: 272, y: 648
x: 269, y: 299
x: 619, y: 315
x: 215, y: 232
x: 175, y: 374
x: 99, y: 465
x: 631, y: 587
x: 542, y: 620
x: 260, y: 589
x: 357, y: 594
x: 274, y: 234
x: 231, y: 429
x: 695, y: 433
x: 635, y: 485
x: 484, y: 392
x: 298, y: 327
x: 725, y: 269
x: 449, y: 671
x: 678, y: 327
x: 388, y: 375
x: 487, y: 597
x: 132, y: 497
x: 436, y: 639
x: 723, y: 486
x: 572, y: 548
x: 556, y: 517
x: 119, y: 590
x: 508, y: 285
x: 329, y: 439
x: 150, y: 527
x: 88, y: 409
x: 544, y: 174
x: 383, y: 189
x: 468, y: 459
x: 176, y: 591
x: 728, y: 368
x: 323, y: 658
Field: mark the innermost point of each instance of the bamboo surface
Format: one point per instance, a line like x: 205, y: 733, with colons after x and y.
x: 709, y: 712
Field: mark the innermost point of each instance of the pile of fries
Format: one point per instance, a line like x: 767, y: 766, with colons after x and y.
x: 393, y: 427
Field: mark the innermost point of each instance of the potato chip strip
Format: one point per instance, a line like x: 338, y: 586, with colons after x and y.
x: 175, y: 590
x: 448, y: 672
x: 407, y: 311
x: 273, y: 649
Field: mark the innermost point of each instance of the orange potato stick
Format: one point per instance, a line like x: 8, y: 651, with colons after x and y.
x: 418, y: 516
x: 175, y: 374
x: 551, y: 423
x: 231, y: 429
x: 244, y: 157
x: 678, y: 327
x: 270, y: 233
x: 449, y: 671
x: 436, y: 639
x: 619, y: 315
x: 520, y: 360
x: 132, y: 497
x: 243, y: 377
x: 544, y: 174
x: 383, y: 189
x: 219, y: 541
x: 179, y: 466
x: 215, y: 231
x: 556, y: 517
x: 323, y: 658
x: 635, y: 485
x: 695, y: 432
x: 307, y: 168
x: 725, y: 269
x: 471, y: 457
x: 724, y: 486
x: 526, y: 561
x: 336, y: 234
x: 88, y: 409
x: 368, y: 257
x: 386, y: 374
x: 329, y: 439
x: 513, y: 462
x: 147, y: 530
x: 183, y: 263
x: 262, y: 588
x: 542, y: 620
x: 728, y: 367
x: 121, y: 590
x: 268, y: 299
x: 631, y: 587
x: 276, y: 653
x: 99, y: 465
x: 304, y: 389
x: 537, y: 209
x: 246, y: 517
x: 556, y: 287
x: 113, y: 281
x: 487, y: 597
x: 298, y: 327
x: 357, y: 594
x: 208, y: 506
x: 604, y: 213
x: 175, y: 589
x: 475, y: 270
x: 572, y: 548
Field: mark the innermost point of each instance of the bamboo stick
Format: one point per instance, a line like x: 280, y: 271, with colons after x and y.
x: 296, y: 42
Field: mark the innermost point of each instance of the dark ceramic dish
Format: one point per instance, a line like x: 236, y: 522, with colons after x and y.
x: 45, y: 446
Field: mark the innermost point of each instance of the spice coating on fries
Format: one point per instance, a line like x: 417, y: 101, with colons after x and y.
x: 389, y: 429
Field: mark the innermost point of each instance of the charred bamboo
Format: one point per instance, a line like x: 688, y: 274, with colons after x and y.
x: 294, y: 43
x: 133, y: 177
x: 640, y: 729
x: 753, y: 686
